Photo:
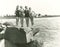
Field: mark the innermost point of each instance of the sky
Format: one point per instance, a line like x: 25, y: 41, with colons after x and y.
x: 49, y: 7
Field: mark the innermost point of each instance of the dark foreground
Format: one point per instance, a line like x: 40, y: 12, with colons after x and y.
x: 49, y: 31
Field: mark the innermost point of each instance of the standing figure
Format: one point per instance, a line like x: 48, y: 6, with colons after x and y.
x: 31, y: 16
x: 17, y: 15
x: 21, y: 15
x: 26, y: 11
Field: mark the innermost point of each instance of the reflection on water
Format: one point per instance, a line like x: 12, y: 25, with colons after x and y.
x: 45, y: 24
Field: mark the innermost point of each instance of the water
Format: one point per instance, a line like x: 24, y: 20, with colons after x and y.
x: 51, y: 25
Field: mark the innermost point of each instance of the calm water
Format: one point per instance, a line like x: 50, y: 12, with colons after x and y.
x: 51, y: 25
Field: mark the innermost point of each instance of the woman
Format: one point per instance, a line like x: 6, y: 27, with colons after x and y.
x: 26, y: 11
x: 17, y: 15
x: 21, y: 15
x: 31, y: 16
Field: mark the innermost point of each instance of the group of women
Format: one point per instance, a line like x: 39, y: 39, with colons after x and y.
x: 24, y: 13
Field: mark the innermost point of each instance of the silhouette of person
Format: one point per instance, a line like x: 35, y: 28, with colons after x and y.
x: 17, y: 14
x: 31, y: 16
x: 26, y: 11
x: 21, y: 15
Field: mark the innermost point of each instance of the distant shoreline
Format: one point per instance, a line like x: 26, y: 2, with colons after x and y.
x: 12, y: 17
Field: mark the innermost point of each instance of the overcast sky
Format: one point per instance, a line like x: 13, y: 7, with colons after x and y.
x: 50, y: 7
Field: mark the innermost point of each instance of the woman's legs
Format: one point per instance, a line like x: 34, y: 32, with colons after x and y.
x: 27, y: 21
x: 32, y: 21
x: 22, y: 21
x: 17, y: 20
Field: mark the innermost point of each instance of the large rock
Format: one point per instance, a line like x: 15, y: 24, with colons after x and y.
x: 14, y: 35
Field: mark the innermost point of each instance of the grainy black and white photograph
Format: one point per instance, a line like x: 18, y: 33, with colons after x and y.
x: 29, y: 23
